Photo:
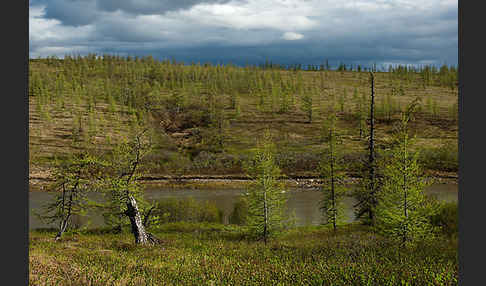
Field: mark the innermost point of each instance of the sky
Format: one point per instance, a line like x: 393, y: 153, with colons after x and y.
x: 250, y: 31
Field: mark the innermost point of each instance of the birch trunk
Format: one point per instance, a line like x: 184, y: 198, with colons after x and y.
x: 138, y: 228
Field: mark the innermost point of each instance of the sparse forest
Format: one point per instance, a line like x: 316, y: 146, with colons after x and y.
x: 206, y: 118
x: 107, y: 125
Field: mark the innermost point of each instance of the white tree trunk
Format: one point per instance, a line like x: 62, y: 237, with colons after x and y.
x: 138, y: 229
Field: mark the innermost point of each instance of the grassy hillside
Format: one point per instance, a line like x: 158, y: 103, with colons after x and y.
x: 205, y: 119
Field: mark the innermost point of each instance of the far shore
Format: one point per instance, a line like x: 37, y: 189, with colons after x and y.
x: 41, y: 181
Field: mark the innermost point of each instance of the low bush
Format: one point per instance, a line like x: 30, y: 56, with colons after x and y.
x: 443, y: 158
x: 188, y: 210
x: 206, y: 161
x: 291, y: 161
x: 240, y: 212
x: 446, y: 218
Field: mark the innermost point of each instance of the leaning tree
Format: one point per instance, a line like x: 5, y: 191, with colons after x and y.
x: 122, y: 189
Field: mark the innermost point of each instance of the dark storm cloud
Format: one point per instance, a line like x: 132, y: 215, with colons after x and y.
x: 84, y: 12
x: 150, y: 7
x: 300, y: 53
x: 71, y: 12
x: 250, y: 31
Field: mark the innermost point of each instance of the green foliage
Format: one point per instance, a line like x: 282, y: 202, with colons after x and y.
x: 454, y: 111
x: 285, y: 101
x: 435, y: 109
x: 443, y: 157
x: 429, y: 106
x: 445, y: 217
x: 324, y: 131
x: 342, y: 100
x: 239, y: 214
x: 171, y: 97
x: 362, y: 115
x: 400, y: 211
x: 203, y: 254
x: 187, y: 210
x: 333, y: 179
x: 218, y: 126
x: 307, y: 105
x: 119, y: 181
x: 266, y: 196
x: 74, y: 177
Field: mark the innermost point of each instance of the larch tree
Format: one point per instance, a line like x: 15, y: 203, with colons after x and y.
x: 362, y: 115
x: 333, y: 179
x: 401, y: 211
x: 74, y: 178
x: 307, y: 105
x: 266, y: 196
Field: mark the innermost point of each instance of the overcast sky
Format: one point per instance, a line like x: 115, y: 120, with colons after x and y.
x: 250, y: 31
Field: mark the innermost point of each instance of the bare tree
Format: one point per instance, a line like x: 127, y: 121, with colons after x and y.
x: 366, y: 195
x: 73, y: 179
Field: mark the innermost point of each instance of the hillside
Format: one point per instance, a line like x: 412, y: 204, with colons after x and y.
x: 205, y: 119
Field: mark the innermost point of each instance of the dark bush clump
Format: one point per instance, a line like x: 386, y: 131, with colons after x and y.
x: 442, y: 158
x: 188, y: 210
x: 240, y: 212
x: 446, y: 218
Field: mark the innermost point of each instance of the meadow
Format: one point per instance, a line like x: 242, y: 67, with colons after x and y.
x: 205, y: 252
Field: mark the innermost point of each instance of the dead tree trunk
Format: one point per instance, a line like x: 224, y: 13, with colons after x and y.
x: 367, y: 200
x: 62, y: 229
x: 138, y: 228
x: 137, y: 225
x: 133, y: 214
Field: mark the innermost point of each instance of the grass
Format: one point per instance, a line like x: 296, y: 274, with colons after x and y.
x: 213, y: 254
x: 197, y: 249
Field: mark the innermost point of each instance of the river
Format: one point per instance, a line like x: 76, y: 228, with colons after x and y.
x: 303, y: 202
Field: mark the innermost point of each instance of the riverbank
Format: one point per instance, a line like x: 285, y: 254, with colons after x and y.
x: 39, y: 180
x: 213, y: 254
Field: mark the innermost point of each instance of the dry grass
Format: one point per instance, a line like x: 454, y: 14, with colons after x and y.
x: 51, y: 138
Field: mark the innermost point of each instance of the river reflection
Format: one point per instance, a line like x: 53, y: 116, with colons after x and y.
x: 303, y: 202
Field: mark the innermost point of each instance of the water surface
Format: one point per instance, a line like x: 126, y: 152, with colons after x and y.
x: 303, y: 202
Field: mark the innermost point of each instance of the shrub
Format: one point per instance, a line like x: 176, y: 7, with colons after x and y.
x: 207, y: 161
x: 446, y: 218
x: 442, y: 158
x: 188, y: 210
x: 297, y: 161
x: 240, y: 212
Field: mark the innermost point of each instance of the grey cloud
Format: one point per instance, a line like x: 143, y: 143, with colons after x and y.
x: 345, y: 35
x: 150, y: 7
x: 84, y: 12
x: 71, y: 12
x: 300, y: 53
